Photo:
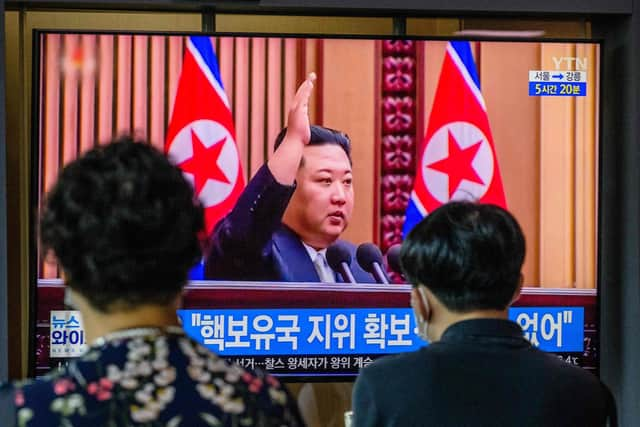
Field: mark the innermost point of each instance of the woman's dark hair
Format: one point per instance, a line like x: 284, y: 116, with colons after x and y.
x: 123, y: 223
x: 469, y: 255
x: 321, y: 135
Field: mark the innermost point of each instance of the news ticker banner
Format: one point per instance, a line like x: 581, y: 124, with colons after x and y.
x: 261, y: 332
x: 336, y: 341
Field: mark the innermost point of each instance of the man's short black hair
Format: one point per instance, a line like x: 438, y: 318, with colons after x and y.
x: 321, y: 135
x: 123, y: 223
x: 469, y: 255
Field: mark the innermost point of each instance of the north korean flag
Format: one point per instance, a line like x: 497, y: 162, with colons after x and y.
x: 201, y: 137
x: 457, y: 159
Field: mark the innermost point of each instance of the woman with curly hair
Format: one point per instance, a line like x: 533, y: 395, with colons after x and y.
x: 123, y: 224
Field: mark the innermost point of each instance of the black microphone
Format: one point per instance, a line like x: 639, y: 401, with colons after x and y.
x: 370, y: 259
x: 393, y: 258
x: 339, y: 259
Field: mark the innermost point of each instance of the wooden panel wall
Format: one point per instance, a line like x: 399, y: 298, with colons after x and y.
x: 516, y: 138
x: 95, y: 88
x: 350, y: 99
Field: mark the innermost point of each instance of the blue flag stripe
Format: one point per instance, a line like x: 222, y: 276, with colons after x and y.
x: 205, y: 49
x: 463, y: 49
x: 412, y: 217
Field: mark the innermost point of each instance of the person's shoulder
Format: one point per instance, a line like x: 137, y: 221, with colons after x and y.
x: 556, y: 363
x: 392, y: 372
x: 395, y: 366
x: 42, y: 382
x: 571, y: 384
x: 7, y: 387
x: 7, y: 398
x: 566, y: 375
x: 41, y: 400
x: 253, y: 393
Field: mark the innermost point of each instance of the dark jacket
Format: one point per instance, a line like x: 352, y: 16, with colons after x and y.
x: 481, y: 373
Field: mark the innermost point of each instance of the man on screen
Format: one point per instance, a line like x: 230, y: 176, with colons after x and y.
x: 464, y: 261
x: 292, y: 210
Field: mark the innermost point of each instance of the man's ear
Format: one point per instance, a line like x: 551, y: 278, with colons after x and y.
x: 420, y: 302
x: 516, y: 294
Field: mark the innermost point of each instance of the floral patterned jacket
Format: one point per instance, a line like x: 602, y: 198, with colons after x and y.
x: 157, y: 379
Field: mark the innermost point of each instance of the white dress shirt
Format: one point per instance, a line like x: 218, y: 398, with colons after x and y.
x: 325, y: 273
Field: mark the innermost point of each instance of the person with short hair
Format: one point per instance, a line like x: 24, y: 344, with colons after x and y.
x: 464, y: 261
x: 123, y: 224
x: 292, y: 210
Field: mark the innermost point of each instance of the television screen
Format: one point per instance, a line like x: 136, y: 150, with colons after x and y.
x: 510, y: 122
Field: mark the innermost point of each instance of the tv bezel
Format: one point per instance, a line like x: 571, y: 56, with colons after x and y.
x: 35, y: 197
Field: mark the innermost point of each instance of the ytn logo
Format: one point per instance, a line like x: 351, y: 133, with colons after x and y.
x: 570, y: 63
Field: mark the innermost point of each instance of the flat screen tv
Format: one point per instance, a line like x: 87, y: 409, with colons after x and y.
x: 513, y: 122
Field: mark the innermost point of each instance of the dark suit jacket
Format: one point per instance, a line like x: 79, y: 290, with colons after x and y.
x: 251, y: 243
x: 481, y: 373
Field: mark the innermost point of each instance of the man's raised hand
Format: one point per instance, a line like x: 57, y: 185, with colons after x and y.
x: 285, y: 161
x: 298, y: 119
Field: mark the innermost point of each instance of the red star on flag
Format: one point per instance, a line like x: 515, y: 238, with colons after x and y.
x: 203, y: 164
x: 458, y: 164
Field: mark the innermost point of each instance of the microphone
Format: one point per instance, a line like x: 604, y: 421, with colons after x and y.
x: 393, y: 258
x: 370, y: 259
x: 339, y: 259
